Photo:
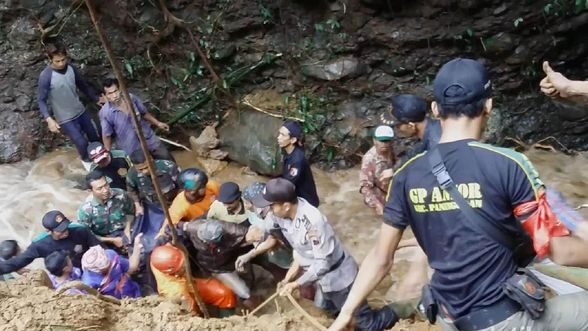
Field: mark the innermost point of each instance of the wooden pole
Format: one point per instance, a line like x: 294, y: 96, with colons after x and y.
x: 127, y: 99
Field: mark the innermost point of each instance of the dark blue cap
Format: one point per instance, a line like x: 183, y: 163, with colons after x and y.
x: 294, y: 128
x: 51, y: 223
x: 405, y: 108
x: 461, y: 81
x: 229, y: 192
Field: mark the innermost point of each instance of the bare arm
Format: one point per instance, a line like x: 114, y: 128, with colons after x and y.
x: 135, y: 258
x: 569, y: 251
x: 107, y: 140
x: 373, y: 269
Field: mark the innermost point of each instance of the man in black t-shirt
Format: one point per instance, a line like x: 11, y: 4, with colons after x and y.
x: 61, y: 235
x: 470, y: 267
x: 113, y: 164
x: 296, y: 168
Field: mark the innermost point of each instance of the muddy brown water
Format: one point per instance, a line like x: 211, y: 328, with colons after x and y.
x: 54, y: 182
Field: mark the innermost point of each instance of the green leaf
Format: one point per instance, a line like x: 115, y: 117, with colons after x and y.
x: 331, y: 151
x: 129, y: 68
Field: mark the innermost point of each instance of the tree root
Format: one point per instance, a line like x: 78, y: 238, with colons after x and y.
x: 83, y: 287
x: 46, y: 32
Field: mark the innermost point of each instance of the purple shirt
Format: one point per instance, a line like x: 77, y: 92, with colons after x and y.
x: 120, y: 125
x: 76, y: 274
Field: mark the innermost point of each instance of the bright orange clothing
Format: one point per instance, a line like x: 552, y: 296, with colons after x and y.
x: 212, y: 291
x: 182, y: 210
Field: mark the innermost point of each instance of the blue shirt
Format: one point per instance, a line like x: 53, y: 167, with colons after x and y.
x: 470, y: 268
x: 297, y: 170
x: 118, y: 124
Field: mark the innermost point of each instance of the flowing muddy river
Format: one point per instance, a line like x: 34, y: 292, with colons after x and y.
x: 54, y: 181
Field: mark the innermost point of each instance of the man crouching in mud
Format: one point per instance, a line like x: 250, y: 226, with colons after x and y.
x: 478, y: 282
x: 317, y: 252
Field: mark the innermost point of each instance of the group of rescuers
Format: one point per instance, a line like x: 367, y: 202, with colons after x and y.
x: 120, y: 244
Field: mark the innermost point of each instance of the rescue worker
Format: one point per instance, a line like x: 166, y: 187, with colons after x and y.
x: 376, y: 169
x: 228, y: 206
x: 556, y: 85
x: 117, y: 124
x: 114, y: 164
x: 167, y: 264
x: 295, y: 166
x: 318, y: 252
x: 109, y: 273
x: 407, y: 115
x: 61, y: 235
x: 108, y: 212
x: 476, y: 285
x: 139, y: 184
x: 197, y: 195
x: 60, y: 104
x: 218, y: 244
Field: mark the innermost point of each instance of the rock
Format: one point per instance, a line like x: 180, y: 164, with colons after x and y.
x: 500, y: 10
x: 22, y: 33
x: 499, y: 44
x: 250, y: 138
x: 224, y: 52
x: 333, y: 70
x: 207, y: 141
x: 17, y: 136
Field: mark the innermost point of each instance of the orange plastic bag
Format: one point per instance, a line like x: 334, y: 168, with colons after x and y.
x: 542, y: 224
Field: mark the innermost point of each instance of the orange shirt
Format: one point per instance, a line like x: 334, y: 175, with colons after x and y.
x: 182, y: 210
x: 174, y: 288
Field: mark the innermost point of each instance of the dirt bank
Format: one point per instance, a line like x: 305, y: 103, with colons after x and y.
x: 28, y: 304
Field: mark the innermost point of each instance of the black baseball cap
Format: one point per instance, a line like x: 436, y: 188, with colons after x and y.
x: 229, y: 192
x: 294, y: 128
x: 461, y: 81
x: 50, y: 221
x: 277, y: 190
x: 405, y: 108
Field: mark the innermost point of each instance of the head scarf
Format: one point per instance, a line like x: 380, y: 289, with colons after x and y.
x: 95, y: 259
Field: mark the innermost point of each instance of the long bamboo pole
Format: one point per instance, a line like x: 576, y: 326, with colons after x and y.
x: 127, y: 99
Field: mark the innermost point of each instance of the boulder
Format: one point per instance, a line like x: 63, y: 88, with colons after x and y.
x: 249, y: 137
x: 333, y: 70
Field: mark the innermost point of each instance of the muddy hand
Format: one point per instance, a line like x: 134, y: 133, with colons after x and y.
x: 288, y: 288
x: 138, y: 243
x: 118, y: 242
x: 241, y: 262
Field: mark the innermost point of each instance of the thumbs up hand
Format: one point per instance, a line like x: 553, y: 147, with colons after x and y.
x: 554, y: 84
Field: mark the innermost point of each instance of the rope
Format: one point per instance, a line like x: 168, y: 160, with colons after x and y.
x: 296, y: 305
x: 311, y: 319
x: 127, y: 99
x: 83, y: 287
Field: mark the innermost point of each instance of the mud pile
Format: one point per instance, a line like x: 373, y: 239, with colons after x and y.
x: 28, y: 304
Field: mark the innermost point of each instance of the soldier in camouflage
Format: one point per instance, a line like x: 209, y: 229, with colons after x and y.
x: 139, y: 184
x: 108, y: 212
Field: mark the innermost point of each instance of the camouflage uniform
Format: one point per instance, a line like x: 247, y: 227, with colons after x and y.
x: 106, y: 219
x: 141, y: 185
x: 373, y: 190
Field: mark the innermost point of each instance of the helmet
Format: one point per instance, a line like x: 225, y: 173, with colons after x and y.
x: 193, y: 179
x: 210, y: 231
x: 167, y: 259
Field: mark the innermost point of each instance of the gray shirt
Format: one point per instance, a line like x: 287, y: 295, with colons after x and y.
x: 316, y: 248
x: 58, y: 91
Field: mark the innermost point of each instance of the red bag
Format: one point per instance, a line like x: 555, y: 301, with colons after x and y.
x: 542, y: 224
